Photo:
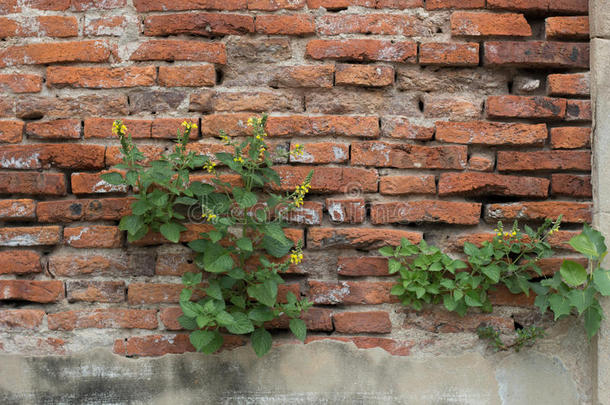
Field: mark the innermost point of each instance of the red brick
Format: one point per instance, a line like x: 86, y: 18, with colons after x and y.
x: 43, y: 292
x: 394, y: 347
x: 365, y: 127
x: 362, y: 322
x: 192, y: 232
x: 46, y: 26
x: 30, y: 236
x: 571, y: 185
x: 402, y: 128
x: 415, y: 184
x: 20, y: 83
x: 502, y: 296
x: 362, y: 266
x: 339, y: 4
x: 11, y: 319
x: 103, y: 318
x: 19, y: 262
x: 519, y: 5
x: 569, y: 6
x: 321, y: 152
x: 11, y: 131
x: 346, y: 210
x: 487, y: 184
x: 574, y: 28
x: 159, y: 345
x: 166, y: 127
x: 489, y: 24
x: 64, y: 155
x: 350, y: 292
x: 316, y: 319
x: 71, y: 107
x: 175, y: 262
x: 32, y: 183
x: 569, y: 84
x: 363, y: 50
x: 102, y: 128
x: 407, y: 156
x: 438, y: 320
x: 558, y: 240
x: 101, y: 77
x: 272, y: 5
x: 258, y: 101
x: 56, y: 129
x: 481, y: 163
x: 329, y: 179
x: 449, y: 54
x: 180, y: 5
x: 358, y: 238
x: 202, y: 24
x: 544, y: 160
x: 187, y: 76
x: 310, y: 213
x: 578, y: 110
x: 364, y: 75
x: 10, y: 7
x: 551, y: 265
x: 83, y: 5
x: 449, y: 212
x: 296, y: 24
x: 119, y: 264
x: 490, y: 133
x: 303, y: 76
x: 451, y: 107
x: 573, y: 212
x: 570, y: 137
x: 375, y: 24
x: 105, y: 26
x: 53, y: 5
x: 153, y: 293
x: 537, y: 54
x: 23, y: 209
x: 171, y: 50
x: 526, y: 107
x: 92, y: 183
x: 464, y: 4
x: 44, y: 53
x: 95, y: 236
x: 95, y: 291
x: 399, y: 4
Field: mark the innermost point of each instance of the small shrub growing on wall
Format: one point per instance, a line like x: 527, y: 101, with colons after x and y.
x: 245, y: 251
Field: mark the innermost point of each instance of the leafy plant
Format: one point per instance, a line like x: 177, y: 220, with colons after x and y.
x: 245, y: 250
x: 525, y: 337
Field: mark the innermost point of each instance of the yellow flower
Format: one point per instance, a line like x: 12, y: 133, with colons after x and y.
x: 513, y: 234
x: 251, y: 121
x: 210, y: 166
x: 296, y: 257
x: 238, y: 159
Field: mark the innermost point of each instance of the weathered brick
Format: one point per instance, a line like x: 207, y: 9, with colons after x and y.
x: 350, y: 292
x: 94, y: 236
x: 571, y: 185
x: 358, y: 238
x: 568, y: 84
x: 101, y: 77
x: 64, y: 155
x: 19, y: 262
x: 544, y: 160
x: 158, y: 345
x: 362, y: 322
x: 569, y: 6
x: 259, y: 50
x: 310, y: 213
x: 578, y: 111
x: 20, y: 83
x: 392, y: 346
x: 30, y: 236
x: 56, y: 129
x: 449, y: 54
x: 153, y: 293
x: 415, y: 184
x: 537, y: 54
x: 144, y: 6
x: 296, y: 24
x: 95, y: 291
x: 171, y: 50
x: 175, y: 261
x: 439, y: 320
x: 487, y: 184
x: 399, y: 4
x: 355, y: 100
x: 526, y: 107
x: 362, y: 266
x: 448, y: 212
x: 346, y: 210
x: 570, y: 137
x: 22, y: 210
x: 316, y: 319
x: 574, y: 28
x: 303, y: 76
x: 32, y: 183
x: 321, y: 152
x: 92, y: 183
x: 83, y: 5
x: 165, y: 128
x: 536, y: 6
x: 375, y: 24
x: 489, y: 24
x: 333, y: 126
x: 364, y: 75
x: 558, y: 241
x: 402, y: 128
x: 329, y: 179
x: 103, y: 318
x: 10, y: 7
x: 272, y: 5
x: 192, y: 232
x: 490, y: 133
x: 71, y: 107
x: 105, y: 26
x: 407, y: 156
x: 464, y: 4
x: 44, y: 53
x: 257, y: 101
x: 362, y: 50
x: 187, y: 76
x: 114, y: 155
x: 43, y: 292
x: 46, y: 26
x: 11, y: 131
x: 51, y: 5
x: 502, y: 296
x: 155, y: 101
x: 202, y: 24
x: 573, y: 212
x: 15, y: 319
x: 118, y: 264
x: 481, y: 163
x: 102, y: 128
x: 451, y: 108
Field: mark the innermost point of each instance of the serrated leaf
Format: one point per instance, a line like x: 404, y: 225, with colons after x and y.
x: 560, y: 305
x: 601, y: 279
x: 140, y: 207
x: 261, y: 314
x: 397, y: 290
x: 473, y: 299
x: 190, y: 279
x: 298, y: 328
x: 113, y: 178
x: 573, y: 273
x: 187, y: 323
x: 191, y: 309
x: 223, y: 318
x: 386, y: 251
x: 244, y: 244
x: 244, y: 198
x: 394, y: 266
x: 214, y: 236
x: 276, y: 248
x: 261, y: 341
x: 214, y: 345
x: 265, y: 293
x: 581, y: 299
x: 131, y: 224
x: 449, y: 302
x: 201, y: 338
x: 171, y: 231
x: 492, y: 272
x: 201, y: 189
x: 593, y: 318
x: 214, y: 291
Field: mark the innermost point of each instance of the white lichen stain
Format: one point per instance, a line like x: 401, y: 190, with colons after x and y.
x: 336, y: 212
x: 339, y: 153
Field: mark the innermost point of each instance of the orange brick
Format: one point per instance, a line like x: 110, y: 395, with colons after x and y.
x: 20, y: 262
x: 399, y: 185
x: 20, y: 83
x: 171, y: 50
x: 296, y: 24
x: 32, y: 183
x: 202, y: 24
x: 364, y: 75
x: 95, y: 291
x: 43, y: 292
x: 488, y: 184
x: 489, y: 24
x: 375, y: 24
x: 46, y: 26
x: 544, y: 160
x: 571, y: 185
x: 22, y: 210
x: 537, y: 54
x: 449, y: 54
x: 363, y: 50
x: 95, y: 236
x: 102, y: 77
x: 430, y: 211
x: 56, y: 129
x: 407, y: 156
x: 526, y: 107
x: 569, y: 84
x: 362, y: 266
x: 30, y: 236
x: 490, y: 133
x: 11, y: 319
x: 570, y: 137
x: 358, y: 238
x: 321, y: 152
x: 362, y: 322
x: 442, y: 4
x: 105, y: 26
x: 44, y: 53
x: 103, y: 318
x: 359, y: 126
x: 573, y: 212
x: 187, y: 76
x: 11, y: 131
x: 574, y: 28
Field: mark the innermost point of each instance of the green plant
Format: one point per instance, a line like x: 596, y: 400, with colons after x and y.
x: 575, y: 288
x: 525, y: 337
x: 244, y: 252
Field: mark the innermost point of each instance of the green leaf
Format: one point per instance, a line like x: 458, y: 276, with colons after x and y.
x: 241, y: 324
x: 581, y: 299
x: 214, y: 291
x: 223, y: 318
x: 140, y: 207
x: 217, y: 259
x: 560, y: 305
x: 185, y: 201
x: 394, y: 266
x: 244, y: 244
x: 261, y: 314
x: 191, y: 309
x: 573, y: 273
x: 448, y: 283
x: 597, y: 239
x: 158, y: 198
x: 131, y: 223
x: 276, y: 248
x: 601, y: 279
x: 214, y: 345
x: 238, y: 301
x: 386, y: 251
x: 593, y: 318
x: 171, y: 231
x: 187, y: 323
x: 203, y: 321
x: 198, y: 245
x: 542, y: 302
x: 214, y: 236
x: 274, y: 231
x: 201, y: 189
x: 113, y: 178
x: 397, y: 290
x: 201, y: 338
x: 298, y: 328
x: 244, y: 198
x: 265, y: 293
x: 190, y: 279
x: 449, y: 302
x: 472, y: 299
x: 261, y: 341
x: 470, y: 249
x: 492, y: 272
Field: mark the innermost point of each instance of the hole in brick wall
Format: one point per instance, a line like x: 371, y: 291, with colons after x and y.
x: 439, y: 30
x: 420, y: 104
x: 336, y: 10
x: 33, y: 116
x: 510, y: 87
x: 517, y: 325
x: 219, y: 76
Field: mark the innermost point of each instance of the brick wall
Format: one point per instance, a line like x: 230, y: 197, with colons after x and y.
x: 429, y: 119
